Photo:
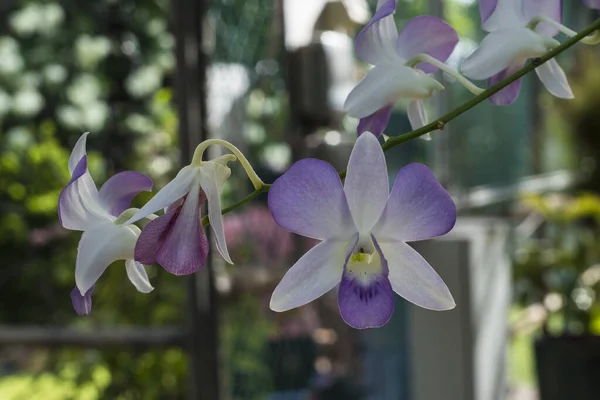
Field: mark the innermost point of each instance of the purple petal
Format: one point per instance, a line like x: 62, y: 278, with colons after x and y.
x: 366, y: 304
x: 175, y: 240
x: 375, y: 43
x: 508, y: 94
x: 376, y: 122
x: 486, y: 9
x: 82, y: 304
x: 309, y: 200
x: 429, y: 35
x: 549, y: 8
x: 418, y: 207
x: 118, y: 191
x: 592, y: 3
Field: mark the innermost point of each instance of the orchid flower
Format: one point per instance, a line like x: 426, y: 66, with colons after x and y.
x: 363, y: 229
x: 81, y: 207
x: 399, y: 70
x: 519, y: 30
x: 175, y: 240
x: 592, y: 4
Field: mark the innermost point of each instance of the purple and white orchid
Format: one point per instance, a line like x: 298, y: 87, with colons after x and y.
x: 175, y: 240
x: 363, y: 229
x: 518, y: 30
x: 81, y: 207
x: 393, y: 76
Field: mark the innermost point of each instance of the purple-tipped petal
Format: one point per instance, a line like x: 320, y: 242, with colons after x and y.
x: 549, y: 8
x: 486, y: 9
x: 78, y: 153
x: 309, y: 200
x: 554, y: 79
x: 175, y: 240
x: 376, y: 42
x: 118, y: 191
x: 428, y: 35
x: 414, y: 279
x: 366, y: 299
x: 508, y: 94
x: 418, y: 208
x: 376, y: 122
x: 592, y: 4
x: 82, y: 304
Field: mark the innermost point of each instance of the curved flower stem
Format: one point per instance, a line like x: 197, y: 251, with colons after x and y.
x: 199, y: 152
x: 476, y: 90
x: 591, y: 39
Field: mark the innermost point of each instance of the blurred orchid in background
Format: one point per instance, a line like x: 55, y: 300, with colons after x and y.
x: 175, y: 240
x: 592, y: 3
x: 363, y: 229
x: 519, y: 30
x: 394, y: 75
x: 82, y: 207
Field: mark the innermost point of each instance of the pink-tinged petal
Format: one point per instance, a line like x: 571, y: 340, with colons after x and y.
x: 138, y: 276
x: 592, y: 4
x: 175, y: 240
x: 210, y: 185
x: 366, y: 301
x: 428, y: 35
x: 82, y: 304
x: 99, y: 247
x: 414, y: 279
x: 366, y: 185
x: 118, y: 191
x: 486, y: 9
x: 418, y: 208
x: 376, y: 42
x: 376, y: 122
x: 313, y: 275
x: 508, y: 94
x: 554, y: 79
x: 549, y: 8
x: 309, y: 200
x: 173, y: 191
x: 504, y: 48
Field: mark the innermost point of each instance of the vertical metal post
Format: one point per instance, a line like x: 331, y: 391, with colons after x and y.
x: 188, y: 24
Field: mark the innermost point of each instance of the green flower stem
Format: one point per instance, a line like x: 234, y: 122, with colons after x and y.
x: 591, y: 40
x: 442, y: 121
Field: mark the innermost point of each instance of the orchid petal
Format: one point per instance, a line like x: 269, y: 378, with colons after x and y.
x: 413, y: 278
x: 504, y: 48
x: 418, y: 208
x: 554, y: 79
x: 508, y: 94
x: 79, y: 152
x: 386, y: 83
x: 548, y: 8
x: 172, y: 191
x: 82, y: 304
x: 376, y: 122
x: 366, y: 186
x: 486, y: 9
x: 138, y: 276
x: 309, y: 200
x: 506, y: 14
x: 428, y: 35
x: 376, y: 42
x: 417, y: 114
x: 313, y: 275
x: 118, y: 191
x: 366, y: 304
x: 100, y: 246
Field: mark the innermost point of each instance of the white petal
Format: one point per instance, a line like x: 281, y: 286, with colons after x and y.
x: 313, y: 275
x: 100, y: 246
x: 138, y: 276
x: 417, y: 116
x: 172, y: 192
x: 366, y: 185
x: 78, y: 152
x: 503, y: 48
x: 386, y: 83
x: 554, y: 79
x: 414, y: 279
x: 376, y: 42
x: 508, y: 14
x: 212, y: 187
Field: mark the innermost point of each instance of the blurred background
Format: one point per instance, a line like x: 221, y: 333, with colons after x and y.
x: 152, y: 78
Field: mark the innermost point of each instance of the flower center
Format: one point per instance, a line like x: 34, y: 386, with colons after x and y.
x: 364, y: 264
